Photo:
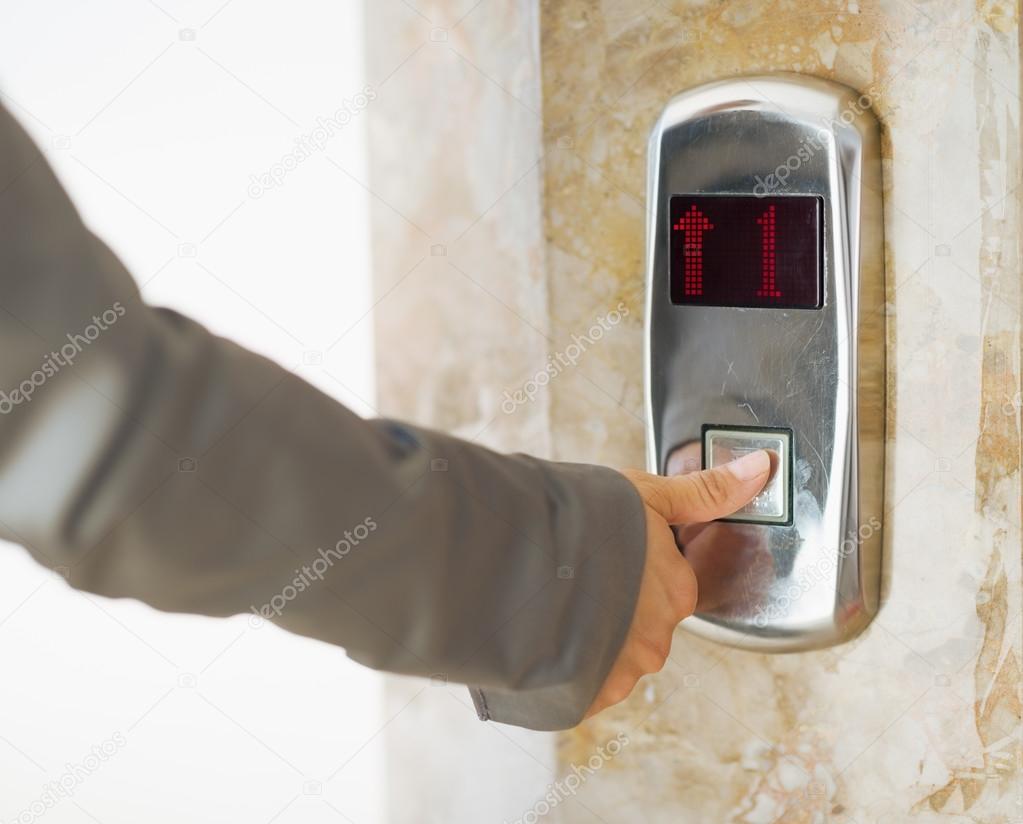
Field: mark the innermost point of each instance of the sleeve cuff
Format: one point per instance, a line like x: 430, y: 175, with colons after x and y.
x: 612, y: 526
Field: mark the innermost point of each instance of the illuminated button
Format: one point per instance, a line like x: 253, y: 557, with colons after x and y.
x: 773, y: 505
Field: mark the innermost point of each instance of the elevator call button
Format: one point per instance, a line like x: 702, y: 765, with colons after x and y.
x: 773, y: 505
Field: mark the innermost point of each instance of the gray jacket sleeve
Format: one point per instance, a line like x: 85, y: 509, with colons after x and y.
x: 144, y: 457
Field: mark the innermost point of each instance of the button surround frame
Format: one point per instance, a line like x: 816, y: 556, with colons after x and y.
x: 786, y: 467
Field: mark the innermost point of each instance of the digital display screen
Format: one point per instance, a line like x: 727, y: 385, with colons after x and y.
x: 745, y: 250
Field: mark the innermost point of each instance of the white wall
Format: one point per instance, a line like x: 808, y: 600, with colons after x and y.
x: 157, y: 115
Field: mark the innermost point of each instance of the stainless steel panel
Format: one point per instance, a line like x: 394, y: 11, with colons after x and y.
x: 818, y: 372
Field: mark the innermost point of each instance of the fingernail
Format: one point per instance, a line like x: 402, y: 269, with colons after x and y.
x: 750, y: 466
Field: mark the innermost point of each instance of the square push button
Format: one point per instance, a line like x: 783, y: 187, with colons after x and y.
x: 722, y: 444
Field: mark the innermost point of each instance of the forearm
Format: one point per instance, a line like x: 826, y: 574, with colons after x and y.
x: 153, y: 460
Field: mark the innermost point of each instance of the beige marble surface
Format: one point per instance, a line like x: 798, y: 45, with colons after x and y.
x: 507, y: 173
x: 461, y: 318
x: 919, y: 718
x: 455, y: 183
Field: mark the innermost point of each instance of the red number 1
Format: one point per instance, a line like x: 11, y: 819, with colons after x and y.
x: 694, y: 223
x: 768, y: 286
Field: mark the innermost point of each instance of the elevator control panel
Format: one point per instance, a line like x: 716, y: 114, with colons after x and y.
x: 765, y: 329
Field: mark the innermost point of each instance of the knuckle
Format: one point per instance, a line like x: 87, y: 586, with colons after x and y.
x: 683, y: 595
x: 653, y: 654
x: 659, y: 498
x: 712, y: 488
x: 620, y: 689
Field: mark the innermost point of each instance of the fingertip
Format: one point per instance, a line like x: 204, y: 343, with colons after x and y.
x: 751, y: 466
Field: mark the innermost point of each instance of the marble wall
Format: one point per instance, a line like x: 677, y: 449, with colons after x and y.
x: 461, y: 317
x: 919, y: 718
x: 507, y: 164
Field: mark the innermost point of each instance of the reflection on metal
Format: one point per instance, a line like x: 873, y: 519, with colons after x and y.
x: 817, y: 372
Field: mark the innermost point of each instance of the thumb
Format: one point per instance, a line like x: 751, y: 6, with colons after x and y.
x: 713, y: 493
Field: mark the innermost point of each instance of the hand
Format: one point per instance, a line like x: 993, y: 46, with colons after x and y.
x: 731, y: 561
x: 667, y: 591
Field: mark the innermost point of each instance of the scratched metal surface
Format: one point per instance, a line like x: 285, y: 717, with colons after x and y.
x: 813, y: 583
